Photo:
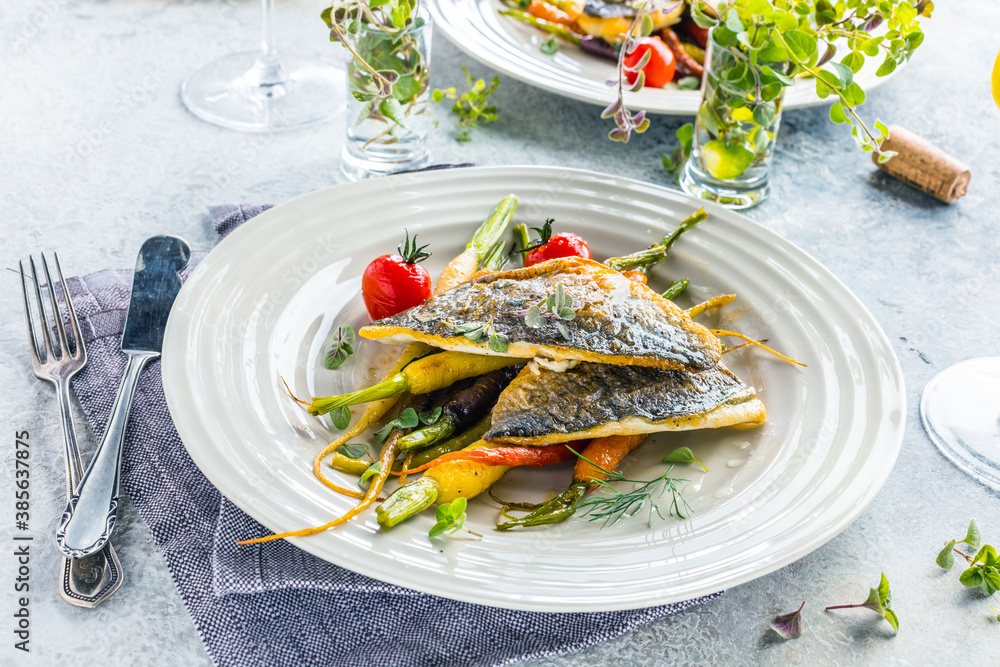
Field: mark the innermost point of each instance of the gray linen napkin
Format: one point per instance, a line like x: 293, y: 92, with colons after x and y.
x: 273, y: 604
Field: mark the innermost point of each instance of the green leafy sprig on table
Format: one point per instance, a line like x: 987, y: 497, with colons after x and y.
x: 472, y: 106
x: 879, y: 600
x: 774, y: 42
x: 983, y: 571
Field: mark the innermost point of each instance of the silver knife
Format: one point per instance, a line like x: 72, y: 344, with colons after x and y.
x: 92, y: 510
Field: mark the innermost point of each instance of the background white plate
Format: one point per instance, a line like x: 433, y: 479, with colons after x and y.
x: 511, y: 47
x: 264, y: 302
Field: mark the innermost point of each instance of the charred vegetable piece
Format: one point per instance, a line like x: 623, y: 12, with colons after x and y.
x: 607, y: 453
x: 465, y: 474
x: 427, y: 374
x: 685, y: 61
x: 463, y: 410
x: 645, y: 259
x: 601, y: 316
x: 598, y: 47
x: 455, y: 444
x: 556, y: 29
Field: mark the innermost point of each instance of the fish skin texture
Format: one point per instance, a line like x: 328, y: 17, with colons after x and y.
x: 598, y: 400
x: 617, y: 320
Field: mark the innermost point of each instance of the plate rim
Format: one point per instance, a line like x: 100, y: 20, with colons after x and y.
x: 887, y: 435
x: 454, y: 36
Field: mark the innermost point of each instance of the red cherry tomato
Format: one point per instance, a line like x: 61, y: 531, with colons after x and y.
x: 564, y: 244
x: 394, y: 283
x: 660, y: 68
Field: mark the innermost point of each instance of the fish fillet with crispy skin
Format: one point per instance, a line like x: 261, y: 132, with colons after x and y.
x: 597, y: 400
x: 616, y: 321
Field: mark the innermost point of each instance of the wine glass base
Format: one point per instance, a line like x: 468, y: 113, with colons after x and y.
x: 960, y: 410
x: 229, y: 92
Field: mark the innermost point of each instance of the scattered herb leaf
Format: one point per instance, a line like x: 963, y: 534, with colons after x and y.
x: 972, y: 536
x: 946, y: 559
x: 373, y: 470
x: 353, y: 450
x: 683, y: 455
x: 789, y: 626
x: 432, y: 417
x: 549, y: 46
x: 450, y: 518
x: 341, y: 417
x: 408, y: 418
x: 879, y: 600
x: 341, y: 347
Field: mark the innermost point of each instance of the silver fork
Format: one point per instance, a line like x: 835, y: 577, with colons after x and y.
x: 86, y: 582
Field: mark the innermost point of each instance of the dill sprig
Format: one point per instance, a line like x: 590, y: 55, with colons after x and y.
x: 613, y: 505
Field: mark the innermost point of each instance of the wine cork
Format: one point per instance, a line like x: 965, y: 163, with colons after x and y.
x: 924, y: 166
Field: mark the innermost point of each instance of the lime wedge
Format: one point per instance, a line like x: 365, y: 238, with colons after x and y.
x: 725, y: 162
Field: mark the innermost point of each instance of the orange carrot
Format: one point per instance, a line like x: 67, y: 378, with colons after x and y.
x: 607, y: 453
x: 543, y: 10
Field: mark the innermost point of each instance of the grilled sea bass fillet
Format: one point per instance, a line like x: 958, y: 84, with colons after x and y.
x: 597, y: 400
x: 617, y: 321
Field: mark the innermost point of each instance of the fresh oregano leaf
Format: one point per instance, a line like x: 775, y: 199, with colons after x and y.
x: 373, y: 470
x: 352, y: 450
x: 341, y: 347
x: 341, y: 417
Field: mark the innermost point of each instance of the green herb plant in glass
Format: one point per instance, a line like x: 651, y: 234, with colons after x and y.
x: 757, y: 48
x: 388, y: 76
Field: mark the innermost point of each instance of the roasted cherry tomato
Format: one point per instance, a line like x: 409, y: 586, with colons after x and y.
x: 394, y: 283
x: 551, y: 246
x: 660, y: 68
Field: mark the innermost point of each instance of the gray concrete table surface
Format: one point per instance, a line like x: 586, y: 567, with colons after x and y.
x: 99, y: 153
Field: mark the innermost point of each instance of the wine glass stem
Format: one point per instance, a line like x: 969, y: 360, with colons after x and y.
x: 267, y: 71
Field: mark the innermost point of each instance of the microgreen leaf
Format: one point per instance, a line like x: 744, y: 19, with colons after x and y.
x: 879, y: 600
x: 972, y: 536
x: 352, y: 450
x: 341, y: 417
x: 946, y: 559
x: 432, y: 417
x: 498, y: 343
x: 534, y: 318
x: 373, y: 470
x: 549, y: 46
x: 450, y: 517
x: 407, y: 419
x: 789, y: 626
x: 341, y: 347
x: 683, y: 455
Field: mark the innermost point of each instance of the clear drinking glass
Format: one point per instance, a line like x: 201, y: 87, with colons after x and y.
x: 732, y: 146
x: 255, y: 92
x: 388, y: 134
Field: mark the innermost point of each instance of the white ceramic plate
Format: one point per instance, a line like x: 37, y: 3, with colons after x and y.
x: 264, y: 302
x: 511, y: 47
